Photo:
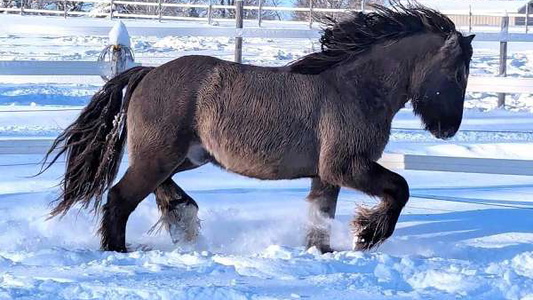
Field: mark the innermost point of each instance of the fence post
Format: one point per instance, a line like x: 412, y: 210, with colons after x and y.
x: 21, y: 7
x: 503, y: 55
x: 160, y: 7
x: 111, y: 9
x: 122, y: 54
x: 311, y: 4
x: 469, y: 18
x: 260, y: 13
x: 118, y: 52
x: 527, y: 17
x: 210, y: 12
x: 239, y: 9
x: 65, y: 8
x: 117, y: 60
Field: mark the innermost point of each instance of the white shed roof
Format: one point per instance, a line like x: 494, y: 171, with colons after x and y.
x: 511, y: 6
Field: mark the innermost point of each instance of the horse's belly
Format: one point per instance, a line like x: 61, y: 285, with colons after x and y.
x: 259, y: 170
x: 269, y: 164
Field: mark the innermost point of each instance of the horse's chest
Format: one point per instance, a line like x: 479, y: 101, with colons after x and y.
x: 366, y: 141
x: 376, y: 146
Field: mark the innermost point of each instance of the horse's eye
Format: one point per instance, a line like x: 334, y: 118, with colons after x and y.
x: 459, y: 77
x: 461, y: 74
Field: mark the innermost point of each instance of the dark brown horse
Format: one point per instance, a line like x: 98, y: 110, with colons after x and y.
x: 326, y: 117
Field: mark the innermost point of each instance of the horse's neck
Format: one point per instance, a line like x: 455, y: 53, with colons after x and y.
x: 384, y: 72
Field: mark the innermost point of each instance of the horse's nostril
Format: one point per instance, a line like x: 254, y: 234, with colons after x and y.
x: 443, y: 133
x: 448, y: 133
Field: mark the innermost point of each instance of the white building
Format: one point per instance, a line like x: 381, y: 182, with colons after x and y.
x: 484, y: 12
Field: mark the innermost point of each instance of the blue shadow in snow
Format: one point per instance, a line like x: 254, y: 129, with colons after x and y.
x: 451, y: 228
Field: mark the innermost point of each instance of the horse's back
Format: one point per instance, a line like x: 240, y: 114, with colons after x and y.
x: 259, y: 122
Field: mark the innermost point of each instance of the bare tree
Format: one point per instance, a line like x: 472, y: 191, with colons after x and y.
x: 229, y: 13
x: 138, y: 9
x: 265, y: 14
x: 198, y: 12
x: 51, y: 5
x: 338, y: 4
x: 154, y: 9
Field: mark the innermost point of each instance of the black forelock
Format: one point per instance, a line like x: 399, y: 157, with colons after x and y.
x: 351, y: 36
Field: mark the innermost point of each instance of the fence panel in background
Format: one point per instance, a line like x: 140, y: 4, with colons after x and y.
x: 392, y: 161
x: 463, y: 18
x: 81, y: 68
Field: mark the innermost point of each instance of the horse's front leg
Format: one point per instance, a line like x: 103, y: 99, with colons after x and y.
x: 322, y: 205
x: 373, y: 226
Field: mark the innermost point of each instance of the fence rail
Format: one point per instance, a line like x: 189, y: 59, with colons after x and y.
x: 67, y: 68
x: 54, y: 68
x: 458, y: 164
x: 389, y: 160
x: 60, y: 27
x: 511, y: 85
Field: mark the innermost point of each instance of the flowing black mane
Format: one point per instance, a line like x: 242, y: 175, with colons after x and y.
x: 354, y: 35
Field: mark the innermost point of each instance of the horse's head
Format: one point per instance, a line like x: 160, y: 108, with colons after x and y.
x: 438, y: 85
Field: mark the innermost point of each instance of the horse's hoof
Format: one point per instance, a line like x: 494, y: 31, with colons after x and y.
x: 371, y: 229
x: 363, y: 244
x: 326, y: 249
x: 119, y: 249
x: 323, y: 249
x: 183, y: 223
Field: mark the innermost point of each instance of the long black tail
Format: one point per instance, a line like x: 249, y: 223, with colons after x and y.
x: 94, y: 144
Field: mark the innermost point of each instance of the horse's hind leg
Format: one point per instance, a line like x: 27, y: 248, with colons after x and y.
x: 374, y: 225
x: 179, y: 212
x: 143, y: 176
x: 322, y: 205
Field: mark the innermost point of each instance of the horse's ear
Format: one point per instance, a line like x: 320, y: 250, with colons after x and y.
x: 451, y: 47
x: 468, y: 39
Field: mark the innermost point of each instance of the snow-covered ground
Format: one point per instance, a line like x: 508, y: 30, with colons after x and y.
x: 460, y: 236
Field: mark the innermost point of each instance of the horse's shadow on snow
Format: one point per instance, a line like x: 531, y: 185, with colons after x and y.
x: 452, y: 234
